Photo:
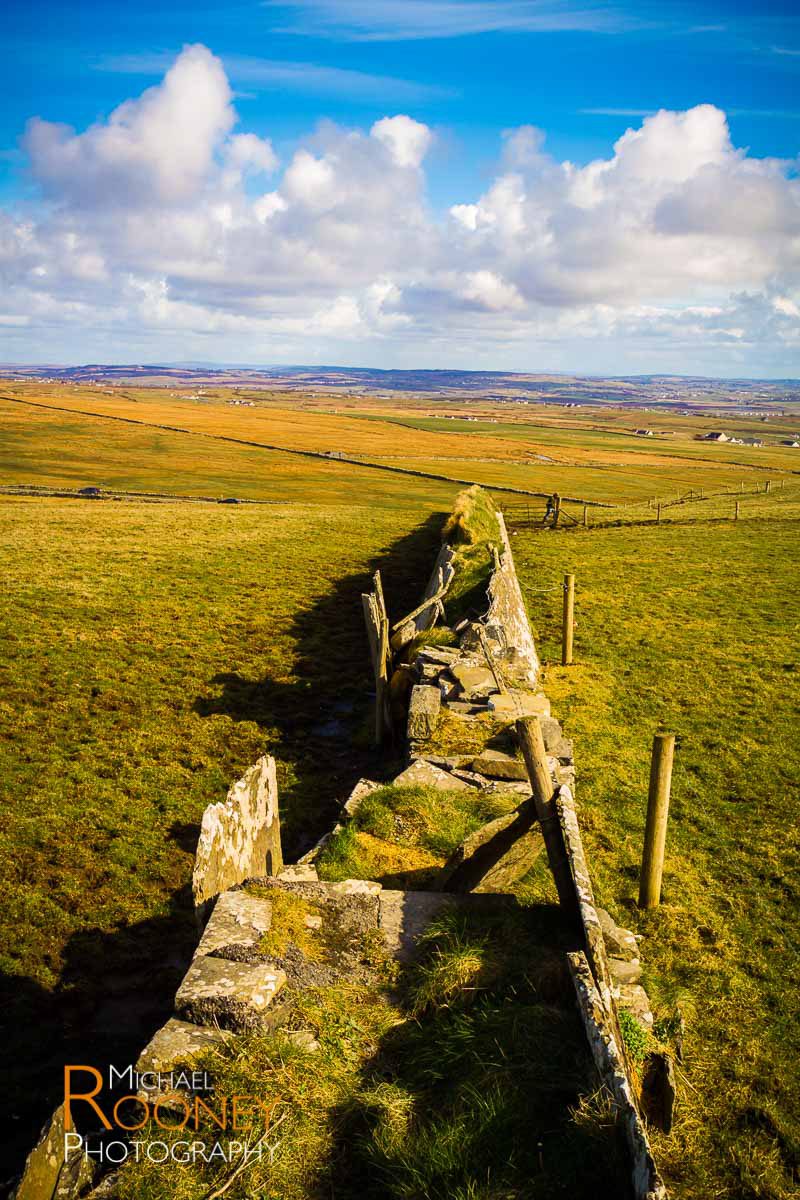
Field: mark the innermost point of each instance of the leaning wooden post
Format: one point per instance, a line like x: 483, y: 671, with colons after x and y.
x: 767, y: 486
x: 568, y: 620
x: 556, y: 508
x: 736, y: 510
x: 529, y: 733
x: 655, y: 834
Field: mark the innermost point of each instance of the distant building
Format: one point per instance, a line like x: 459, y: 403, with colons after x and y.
x: 752, y: 442
x: 715, y: 437
x: 790, y: 442
x: 643, y: 432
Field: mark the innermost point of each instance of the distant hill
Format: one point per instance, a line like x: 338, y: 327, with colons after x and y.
x: 637, y: 391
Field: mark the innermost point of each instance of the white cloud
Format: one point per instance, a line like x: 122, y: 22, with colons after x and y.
x: 408, y: 141
x: 159, y: 146
x: 156, y: 229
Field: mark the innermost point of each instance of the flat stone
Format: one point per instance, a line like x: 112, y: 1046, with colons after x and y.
x: 472, y: 778
x: 354, y: 887
x: 623, y: 971
x: 473, y: 681
x: 364, y: 788
x: 620, y: 943
x: 520, y: 704
x: 423, y: 711
x: 496, y: 765
x: 239, y: 920
x: 551, y: 732
x: 174, y: 1047
x: 403, y: 916
x: 230, y: 995
x: 446, y: 761
x: 441, y: 656
x: 44, y: 1163
x: 299, y: 873
x: 496, y: 856
x: 424, y: 774
x: 634, y: 999
x: 312, y: 922
x: 462, y: 709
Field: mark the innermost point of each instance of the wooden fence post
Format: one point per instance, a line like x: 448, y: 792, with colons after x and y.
x: 767, y: 486
x: 736, y: 510
x: 568, y: 620
x: 658, y: 514
x: 529, y: 733
x: 655, y: 834
x: 586, y: 514
x: 557, y: 509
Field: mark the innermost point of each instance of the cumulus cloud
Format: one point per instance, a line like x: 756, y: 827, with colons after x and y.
x: 167, y: 226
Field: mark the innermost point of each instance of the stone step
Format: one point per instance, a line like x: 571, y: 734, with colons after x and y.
x: 424, y: 774
x: 229, y: 995
x: 517, y: 703
x: 171, y: 1051
x: 237, y: 924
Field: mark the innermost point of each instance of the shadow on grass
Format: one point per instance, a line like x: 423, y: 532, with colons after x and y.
x: 116, y: 989
x: 484, y: 1096
x: 324, y: 717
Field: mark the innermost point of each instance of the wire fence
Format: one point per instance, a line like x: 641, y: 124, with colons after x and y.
x: 766, y: 498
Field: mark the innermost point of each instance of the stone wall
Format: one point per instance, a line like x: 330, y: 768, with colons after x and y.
x: 240, y: 837
x: 507, y: 612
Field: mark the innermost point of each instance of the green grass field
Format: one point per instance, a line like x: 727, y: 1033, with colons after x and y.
x: 694, y: 628
x: 151, y: 653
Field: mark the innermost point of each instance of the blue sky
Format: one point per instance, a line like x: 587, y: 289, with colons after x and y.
x: 467, y: 70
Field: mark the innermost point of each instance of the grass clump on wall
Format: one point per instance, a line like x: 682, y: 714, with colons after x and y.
x: 472, y: 529
x: 403, y: 835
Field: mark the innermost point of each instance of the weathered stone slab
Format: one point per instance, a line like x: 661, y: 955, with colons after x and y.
x: 515, y: 703
x: 445, y: 761
x: 238, y: 920
x: 620, y: 942
x: 303, y: 872
x: 474, y: 681
x: 239, y: 837
x: 364, y: 787
x: 423, y: 711
x: 507, y: 610
x: 461, y: 708
x: 424, y: 774
x: 440, y: 656
x: 44, y: 1163
x: 174, y: 1047
x: 497, y: 765
x: 472, y: 778
x: 623, y: 971
x: 231, y: 995
x: 495, y: 856
x: 354, y: 887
